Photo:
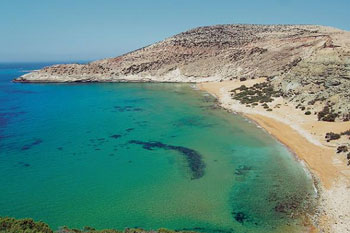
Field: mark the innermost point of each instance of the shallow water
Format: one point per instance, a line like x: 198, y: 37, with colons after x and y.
x: 140, y: 155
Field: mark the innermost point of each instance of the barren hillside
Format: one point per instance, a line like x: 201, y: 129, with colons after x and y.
x: 307, y: 64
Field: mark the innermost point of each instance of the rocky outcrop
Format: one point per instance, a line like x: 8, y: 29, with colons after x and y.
x: 309, y: 64
x: 321, y: 80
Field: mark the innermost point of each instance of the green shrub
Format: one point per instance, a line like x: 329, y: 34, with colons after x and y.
x: 258, y: 93
x: 327, y: 114
x: 341, y: 149
x: 11, y: 225
x: 347, y: 132
x: 332, y: 136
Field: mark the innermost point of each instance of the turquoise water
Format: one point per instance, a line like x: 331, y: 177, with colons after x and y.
x: 140, y: 155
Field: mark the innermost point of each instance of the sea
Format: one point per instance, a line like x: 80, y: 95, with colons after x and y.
x: 144, y: 155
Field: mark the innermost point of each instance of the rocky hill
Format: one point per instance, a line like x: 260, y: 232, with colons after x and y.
x: 308, y: 64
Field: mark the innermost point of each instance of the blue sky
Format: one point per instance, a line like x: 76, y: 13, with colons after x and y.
x: 71, y: 30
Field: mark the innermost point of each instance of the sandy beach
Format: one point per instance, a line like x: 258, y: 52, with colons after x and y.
x: 305, y: 136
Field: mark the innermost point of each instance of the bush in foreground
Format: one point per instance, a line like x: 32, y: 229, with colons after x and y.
x: 11, y: 225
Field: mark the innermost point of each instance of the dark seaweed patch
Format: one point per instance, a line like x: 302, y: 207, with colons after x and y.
x: 29, y: 146
x: 127, y: 109
x: 23, y: 164
x: 9, y: 115
x: 4, y: 136
x: 6, y: 117
x: 193, y: 158
x: 240, y: 217
x: 115, y: 136
x: 20, y: 92
x: 97, y: 142
x: 290, y: 204
x: 242, y: 170
x: 60, y: 148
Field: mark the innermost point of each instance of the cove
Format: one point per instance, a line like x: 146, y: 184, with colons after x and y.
x: 119, y: 155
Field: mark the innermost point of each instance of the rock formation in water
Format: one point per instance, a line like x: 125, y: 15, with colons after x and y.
x: 307, y: 63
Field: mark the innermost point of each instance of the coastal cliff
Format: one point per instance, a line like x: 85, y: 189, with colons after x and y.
x: 307, y: 63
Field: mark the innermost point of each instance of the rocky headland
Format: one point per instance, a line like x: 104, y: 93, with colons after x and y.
x: 293, y: 80
x: 309, y: 64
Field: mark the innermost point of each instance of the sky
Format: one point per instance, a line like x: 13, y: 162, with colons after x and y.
x: 84, y: 30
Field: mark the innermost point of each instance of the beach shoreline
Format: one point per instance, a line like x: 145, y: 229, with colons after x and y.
x: 304, y: 137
